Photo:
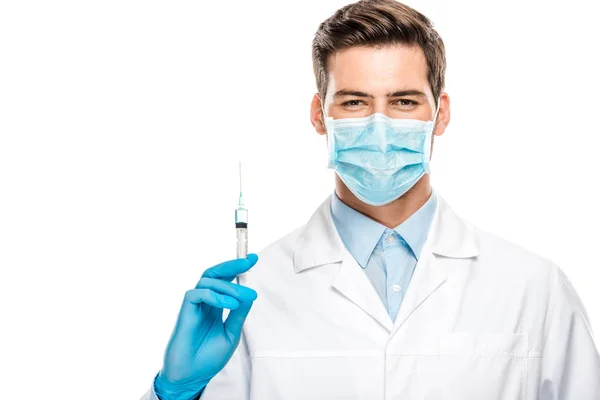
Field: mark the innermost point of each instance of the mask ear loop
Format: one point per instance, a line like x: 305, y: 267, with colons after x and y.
x: 437, y: 110
x: 330, y: 139
x: 429, y: 139
x: 324, y: 117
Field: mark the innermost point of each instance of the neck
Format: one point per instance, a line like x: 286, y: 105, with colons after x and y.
x: 393, y: 214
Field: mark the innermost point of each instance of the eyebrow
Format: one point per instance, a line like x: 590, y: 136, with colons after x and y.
x: 399, y: 93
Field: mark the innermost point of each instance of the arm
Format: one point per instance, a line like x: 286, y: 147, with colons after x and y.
x: 570, y: 363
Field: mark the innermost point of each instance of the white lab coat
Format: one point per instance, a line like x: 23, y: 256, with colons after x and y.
x: 482, y: 319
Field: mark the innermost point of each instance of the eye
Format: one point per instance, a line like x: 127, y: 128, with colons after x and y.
x: 406, y: 102
x: 351, y: 103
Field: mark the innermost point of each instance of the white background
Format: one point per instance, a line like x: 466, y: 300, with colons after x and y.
x: 122, y: 123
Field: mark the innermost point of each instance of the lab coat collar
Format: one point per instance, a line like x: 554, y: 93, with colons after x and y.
x: 360, y: 234
x: 319, y: 242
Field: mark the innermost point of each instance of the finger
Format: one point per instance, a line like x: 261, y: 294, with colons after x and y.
x: 239, y: 292
x: 189, y: 316
x: 235, y: 321
x: 197, y: 296
x: 229, y: 269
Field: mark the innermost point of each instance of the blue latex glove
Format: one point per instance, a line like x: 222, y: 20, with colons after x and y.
x: 201, y: 343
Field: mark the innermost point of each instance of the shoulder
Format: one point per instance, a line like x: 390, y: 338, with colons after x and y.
x: 490, y: 254
x: 502, y: 256
x: 309, y: 239
x: 276, y: 258
x: 283, y: 247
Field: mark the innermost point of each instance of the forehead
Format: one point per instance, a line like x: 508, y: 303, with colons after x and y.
x: 376, y: 70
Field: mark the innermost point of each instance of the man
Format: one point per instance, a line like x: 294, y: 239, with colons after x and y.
x: 385, y: 293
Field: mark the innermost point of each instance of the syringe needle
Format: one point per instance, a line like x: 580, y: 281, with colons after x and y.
x: 241, y: 199
x: 241, y: 223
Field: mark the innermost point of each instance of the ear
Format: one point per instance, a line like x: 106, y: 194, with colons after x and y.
x: 316, y: 115
x: 443, y: 118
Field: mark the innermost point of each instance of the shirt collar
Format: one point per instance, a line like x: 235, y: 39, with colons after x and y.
x: 318, y: 242
x: 416, y: 228
x: 360, y: 234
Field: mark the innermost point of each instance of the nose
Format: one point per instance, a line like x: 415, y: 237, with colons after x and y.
x: 381, y: 106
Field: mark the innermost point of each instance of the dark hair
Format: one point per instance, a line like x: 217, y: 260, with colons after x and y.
x: 378, y: 23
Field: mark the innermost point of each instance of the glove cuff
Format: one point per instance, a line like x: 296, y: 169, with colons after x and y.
x: 189, y: 390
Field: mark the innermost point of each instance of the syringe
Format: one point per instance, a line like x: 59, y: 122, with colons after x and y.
x: 241, y: 224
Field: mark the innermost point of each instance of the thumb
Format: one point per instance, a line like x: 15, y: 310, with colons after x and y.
x: 235, y: 321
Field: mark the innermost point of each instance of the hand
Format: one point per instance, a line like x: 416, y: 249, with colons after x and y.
x: 201, y: 343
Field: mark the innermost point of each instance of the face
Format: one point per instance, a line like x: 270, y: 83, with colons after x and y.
x: 391, y: 80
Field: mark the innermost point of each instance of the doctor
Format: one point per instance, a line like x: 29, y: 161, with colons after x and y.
x: 385, y: 293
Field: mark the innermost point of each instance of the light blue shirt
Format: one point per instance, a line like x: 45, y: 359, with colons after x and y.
x: 388, y: 256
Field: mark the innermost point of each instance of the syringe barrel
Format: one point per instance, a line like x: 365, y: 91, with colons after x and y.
x: 241, y: 215
x: 242, y: 242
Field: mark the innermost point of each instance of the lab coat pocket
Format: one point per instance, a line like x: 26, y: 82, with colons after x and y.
x: 491, y: 366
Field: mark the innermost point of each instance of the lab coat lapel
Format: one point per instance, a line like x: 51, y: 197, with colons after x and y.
x: 450, y: 237
x: 352, y: 282
x: 449, y: 242
x: 427, y: 278
x: 320, y: 244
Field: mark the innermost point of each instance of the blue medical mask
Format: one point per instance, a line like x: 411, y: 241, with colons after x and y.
x: 379, y: 158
